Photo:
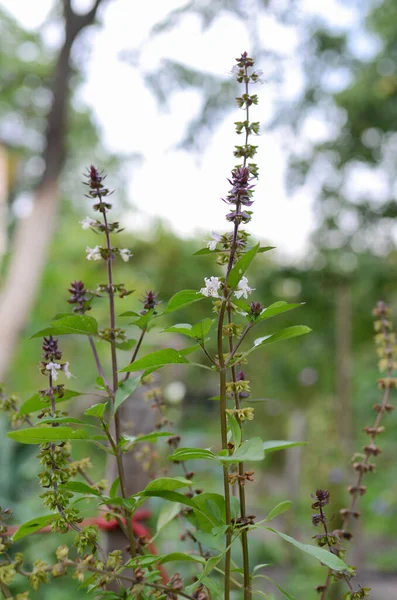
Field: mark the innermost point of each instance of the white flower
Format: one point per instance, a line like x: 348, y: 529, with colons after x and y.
x: 212, y: 286
x: 243, y: 289
x: 125, y: 254
x: 259, y: 76
x: 87, y: 223
x: 93, y: 253
x: 211, y: 245
x: 65, y: 369
x: 54, y: 368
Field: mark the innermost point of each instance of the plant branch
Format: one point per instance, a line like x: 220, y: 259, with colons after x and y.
x: 135, y: 353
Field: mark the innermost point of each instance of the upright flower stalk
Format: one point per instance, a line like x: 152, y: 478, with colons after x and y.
x: 99, y: 193
x: 232, y: 246
x: 363, y: 462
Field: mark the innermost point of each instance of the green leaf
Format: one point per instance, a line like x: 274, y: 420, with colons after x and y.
x: 241, y: 266
x: 36, y: 403
x: 167, y: 484
x: 96, y: 410
x: 143, y: 321
x: 148, y: 437
x: 125, y: 390
x: 42, y: 435
x: 157, y: 359
x: 201, y: 330
x: 181, y: 299
x: 80, y: 488
x: 127, y: 345
x: 275, y: 445
x: 73, y: 324
x: 182, y: 328
x: 68, y: 419
x: 282, y: 507
x: 280, y: 589
x: 276, y: 309
x: 265, y: 249
x: 32, y: 526
x: 324, y: 556
x: 204, y: 251
x: 284, y: 334
x: 235, y: 429
x: 129, y: 313
x: 167, y: 514
x: 180, y: 557
x: 250, y: 450
x: 114, y: 487
x: 182, y: 454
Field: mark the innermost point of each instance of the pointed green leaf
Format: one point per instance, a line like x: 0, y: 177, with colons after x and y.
x: 148, y: 437
x: 201, y: 330
x: 234, y: 429
x: 42, y: 435
x: 277, y: 309
x: 67, y: 419
x: 284, y: 334
x: 182, y: 328
x: 275, y: 445
x: 167, y: 514
x: 36, y: 403
x: 32, y: 526
x: 181, y: 299
x: 96, y: 410
x: 180, y: 557
x: 127, y: 345
x: 114, y: 487
x: 282, y: 507
x: 157, y: 359
x: 182, y: 454
x: 73, y: 324
x: 280, y: 589
x: 80, y: 488
x: 324, y: 556
x: 125, y: 390
x: 241, y: 266
x: 250, y: 450
x: 167, y: 484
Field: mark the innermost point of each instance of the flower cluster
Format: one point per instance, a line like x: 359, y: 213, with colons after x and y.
x: 50, y: 364
x: 79, y: 297
x: 213, y: 285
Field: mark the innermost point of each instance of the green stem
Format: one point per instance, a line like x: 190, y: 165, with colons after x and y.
x: 222, y: 405
x: 116, y: 448
x: 241, y: 487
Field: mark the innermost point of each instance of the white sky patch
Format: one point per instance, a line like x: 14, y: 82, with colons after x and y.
x: 182, y: 188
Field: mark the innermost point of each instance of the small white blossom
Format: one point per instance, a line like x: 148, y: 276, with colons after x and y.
x: 93, y: 253
x: 212, y: 286
x: 125, y: 254
x: 211, y: 245
x: 259, y: 76
x: 65, y: 369
x: 243, y: 289
x: 87, y: 223
x: 54, y: 368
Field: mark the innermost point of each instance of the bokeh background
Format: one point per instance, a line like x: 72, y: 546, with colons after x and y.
x: 144, y: 90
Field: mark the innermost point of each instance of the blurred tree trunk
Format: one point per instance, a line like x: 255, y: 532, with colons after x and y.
x: 136, y: 417
x: 33, y: 234
x: 3, y: 200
